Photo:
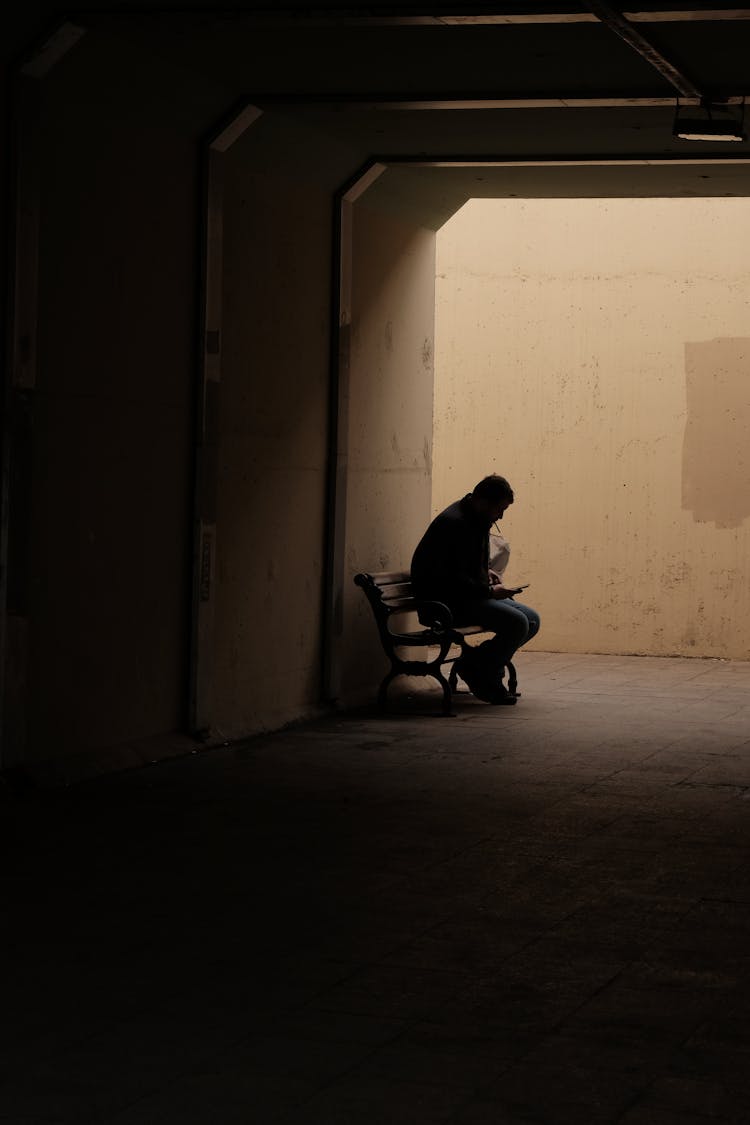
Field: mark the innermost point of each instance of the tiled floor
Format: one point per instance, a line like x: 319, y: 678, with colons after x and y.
x: 529, y: 914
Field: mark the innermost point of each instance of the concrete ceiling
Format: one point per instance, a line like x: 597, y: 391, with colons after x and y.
x: 496, y: 50
x: 432, y: 195
x: 457, y: 80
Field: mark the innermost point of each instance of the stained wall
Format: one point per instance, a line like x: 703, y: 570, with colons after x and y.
x: 597, y: 353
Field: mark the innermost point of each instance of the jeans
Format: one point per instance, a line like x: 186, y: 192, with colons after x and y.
x: 512, y: 623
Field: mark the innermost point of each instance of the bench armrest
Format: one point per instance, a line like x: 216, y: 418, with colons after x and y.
x: 435, y: 615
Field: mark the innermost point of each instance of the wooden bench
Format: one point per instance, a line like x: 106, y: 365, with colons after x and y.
x: 389, y: 594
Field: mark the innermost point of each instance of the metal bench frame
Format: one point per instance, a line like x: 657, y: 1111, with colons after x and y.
x: 390, y: 593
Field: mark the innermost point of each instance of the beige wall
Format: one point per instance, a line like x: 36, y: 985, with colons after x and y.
x: 597, y: 352
x: 390, y: 417
x: 273, y: 425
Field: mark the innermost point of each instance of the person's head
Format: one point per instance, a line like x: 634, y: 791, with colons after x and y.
x: 491, y: 497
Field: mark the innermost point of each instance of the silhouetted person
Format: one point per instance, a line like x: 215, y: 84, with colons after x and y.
x: 451, y: 565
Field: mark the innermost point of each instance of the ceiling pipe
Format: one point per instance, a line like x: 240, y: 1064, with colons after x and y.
x: 617, y: 23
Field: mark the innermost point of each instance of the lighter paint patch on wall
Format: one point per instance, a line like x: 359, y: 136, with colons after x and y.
x: 716, y: 455
x: 563, y: 332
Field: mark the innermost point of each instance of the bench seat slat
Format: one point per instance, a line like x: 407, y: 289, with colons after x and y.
x: 399, y: 590
x: 418, y: 637
x: 419, y: 634
x: 391, y: 577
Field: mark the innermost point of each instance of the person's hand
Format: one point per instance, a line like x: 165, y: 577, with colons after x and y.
x: 495, y: 578
x: 499, y: 591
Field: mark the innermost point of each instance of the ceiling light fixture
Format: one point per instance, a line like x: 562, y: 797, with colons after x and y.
x: 725, y: 127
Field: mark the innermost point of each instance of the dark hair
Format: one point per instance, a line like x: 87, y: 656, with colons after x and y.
x: 494, y: 488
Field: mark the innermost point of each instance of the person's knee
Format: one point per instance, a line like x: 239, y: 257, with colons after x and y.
x: 508, y: 622
x: 519, y: 628
x: 532, y: 620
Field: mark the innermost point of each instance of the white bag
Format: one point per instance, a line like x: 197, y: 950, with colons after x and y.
x: 499, y: 553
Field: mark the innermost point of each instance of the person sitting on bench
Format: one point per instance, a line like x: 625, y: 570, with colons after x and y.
x: 451, y: 565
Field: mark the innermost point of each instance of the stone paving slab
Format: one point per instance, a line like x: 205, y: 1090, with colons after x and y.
x: 530, y: 914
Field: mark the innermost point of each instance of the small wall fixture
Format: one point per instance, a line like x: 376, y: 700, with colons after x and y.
x: 724, y: 127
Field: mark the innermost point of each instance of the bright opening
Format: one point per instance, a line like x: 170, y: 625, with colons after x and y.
x: 597, y: 353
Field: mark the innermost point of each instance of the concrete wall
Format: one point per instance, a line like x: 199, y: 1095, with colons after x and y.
x: 273, y: 423
x: 106, y: 580
x: 100, y: 542
x: 103, y: 616
x: 390, y: 416
x: 597, y: 352
x: 273, y: 450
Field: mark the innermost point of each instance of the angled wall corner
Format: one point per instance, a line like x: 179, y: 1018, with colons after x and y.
x: 389, y: 428
x: 201, y: 703
x: 272, y: 425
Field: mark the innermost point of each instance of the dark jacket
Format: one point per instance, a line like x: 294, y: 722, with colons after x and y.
x: 451, y: 562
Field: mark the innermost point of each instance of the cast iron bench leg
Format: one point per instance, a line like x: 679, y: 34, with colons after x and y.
x: 447, y: 695
x: 383, y: 692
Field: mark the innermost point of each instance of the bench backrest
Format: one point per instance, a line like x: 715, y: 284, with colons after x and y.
x: 388, y: 591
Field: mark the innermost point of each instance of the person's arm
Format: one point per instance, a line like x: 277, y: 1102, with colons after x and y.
x: 457, y: 567
x: 444, y: 563
x: 498, y: 590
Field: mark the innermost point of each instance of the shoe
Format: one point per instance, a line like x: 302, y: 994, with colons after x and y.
x: 481, y: 688
x: 503, y: 698
x: 471, y: 677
